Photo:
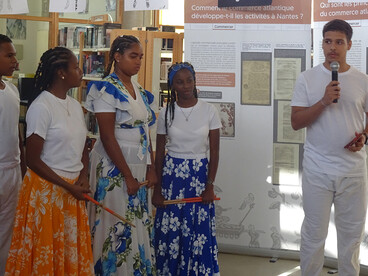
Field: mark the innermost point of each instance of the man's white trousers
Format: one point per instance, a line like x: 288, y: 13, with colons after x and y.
x: 349, y: 196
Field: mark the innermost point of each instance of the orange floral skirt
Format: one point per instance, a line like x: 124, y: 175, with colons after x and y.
x: 51, y: 234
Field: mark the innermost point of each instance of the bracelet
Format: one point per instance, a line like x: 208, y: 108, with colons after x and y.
x: 209, y: 181
x: 323, y: 103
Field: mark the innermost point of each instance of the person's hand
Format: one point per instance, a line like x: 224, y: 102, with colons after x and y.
x: 332, y: 92
x: 82, y: 181
x: 77, y: 191
x: 151, y: 177
x: 158, y: 200
x: 358, y: 145
x: 208, y: 195
x: 132, y: 185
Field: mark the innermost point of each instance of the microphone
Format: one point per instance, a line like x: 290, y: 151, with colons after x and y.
x: 334, y: 69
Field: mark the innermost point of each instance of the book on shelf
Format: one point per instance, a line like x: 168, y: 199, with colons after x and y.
x: 88, y: 38
x: 163, y: 99
x: 165, y: 65
x: 151, y: 29
x: 76, y: 35
x: 94, y: 36
x: 94, y: 64
x: 167, y: 44
x: 63, y: 36
x: 22, y: 112
x: 83, y: 94
x: 69, y: 36
x: 166, y: 28
x: 91, y: 123
x: 73, y: 92
x: 99, y: 37
x: 106, y: 31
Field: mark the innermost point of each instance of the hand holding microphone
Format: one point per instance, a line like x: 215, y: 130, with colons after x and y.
x: 334, y: 70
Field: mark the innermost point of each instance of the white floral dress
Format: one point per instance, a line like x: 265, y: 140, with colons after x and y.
x: 118, y: 248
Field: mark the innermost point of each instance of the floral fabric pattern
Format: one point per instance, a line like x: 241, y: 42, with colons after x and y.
x: 116, y: 89
x: 185, y: 234
x: 118, y: 248
x: 124, y: 248
x: 51, y: 234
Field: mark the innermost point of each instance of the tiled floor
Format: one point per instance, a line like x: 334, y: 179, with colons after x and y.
x: 243, y: 265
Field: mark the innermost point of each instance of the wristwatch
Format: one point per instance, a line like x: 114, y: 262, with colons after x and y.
x: 366, y: 137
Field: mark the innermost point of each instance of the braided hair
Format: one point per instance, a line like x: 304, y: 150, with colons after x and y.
x: 119, y: 45
x: 5, y: 39
x: 171, y: 99
x: 51, y: 61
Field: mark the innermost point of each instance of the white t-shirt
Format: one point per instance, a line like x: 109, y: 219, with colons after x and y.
x: 9, y: 120
x: 189, y: 139
x: 336, y: 126
x: 64, y: 134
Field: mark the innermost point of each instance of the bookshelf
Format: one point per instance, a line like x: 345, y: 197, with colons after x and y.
x: 163, y: 49
x: 93, y: 63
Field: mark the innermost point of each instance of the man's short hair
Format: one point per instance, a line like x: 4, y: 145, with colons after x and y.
x: 338, y: 25
x: 5, y: 39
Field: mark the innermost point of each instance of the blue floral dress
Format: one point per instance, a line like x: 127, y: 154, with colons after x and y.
x: 185, y: 234
x: 118, y: 248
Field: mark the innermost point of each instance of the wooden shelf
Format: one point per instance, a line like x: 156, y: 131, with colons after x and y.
x: 87, y: 78
x: 94, y: 50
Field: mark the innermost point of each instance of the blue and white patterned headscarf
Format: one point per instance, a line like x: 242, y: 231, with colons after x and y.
x: 176, y: 68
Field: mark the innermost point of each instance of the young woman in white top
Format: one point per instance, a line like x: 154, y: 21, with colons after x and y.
x: 51, y: 232
x: 120, y: 161
x: 188, y: 129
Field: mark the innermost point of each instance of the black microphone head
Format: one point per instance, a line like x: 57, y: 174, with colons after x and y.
x: 335, y: 66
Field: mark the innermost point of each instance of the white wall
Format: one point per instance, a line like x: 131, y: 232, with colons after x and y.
x: 36, y: 42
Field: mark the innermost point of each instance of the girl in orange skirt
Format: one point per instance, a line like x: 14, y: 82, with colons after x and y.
x: 51, y: 232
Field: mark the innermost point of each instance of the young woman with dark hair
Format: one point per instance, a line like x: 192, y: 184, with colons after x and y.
x: 51, y: 232
x: 188, y: 129
x: 120, y: 161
